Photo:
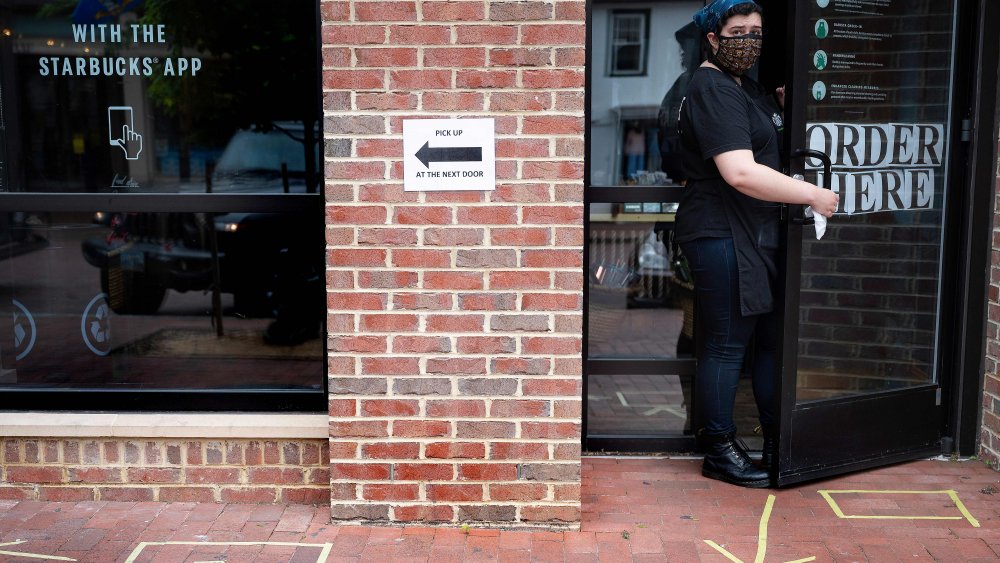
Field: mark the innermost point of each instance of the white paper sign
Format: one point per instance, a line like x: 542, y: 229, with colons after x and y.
x: 449, y: 154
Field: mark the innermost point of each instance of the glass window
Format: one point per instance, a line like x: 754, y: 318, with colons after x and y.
x: 633, y: 106
x: 162, y: 233
x: 152, y: 97
x: 629, y: 35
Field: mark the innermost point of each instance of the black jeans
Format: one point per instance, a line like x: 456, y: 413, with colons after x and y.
x: 727, y: 335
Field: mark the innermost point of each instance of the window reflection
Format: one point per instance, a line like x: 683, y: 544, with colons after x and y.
x: 634, y: 104
x: 153, y: 97
x: 641, y: 299
x: 162, y: 300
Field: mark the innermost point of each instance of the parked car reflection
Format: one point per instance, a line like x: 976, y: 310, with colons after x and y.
x: 272, y: 263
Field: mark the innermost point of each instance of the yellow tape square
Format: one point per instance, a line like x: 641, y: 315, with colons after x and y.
x: 828, y: 495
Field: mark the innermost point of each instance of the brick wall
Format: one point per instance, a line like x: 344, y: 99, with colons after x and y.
x: 242, y: 471
x: 989, y: 440
x: 455, y: 317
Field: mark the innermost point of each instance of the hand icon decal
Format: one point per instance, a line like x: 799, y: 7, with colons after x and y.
x: 130, y: 142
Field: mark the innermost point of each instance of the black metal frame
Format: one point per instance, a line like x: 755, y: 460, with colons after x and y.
x: 967, y: 224
x: 981, y: 75
x: 175, y: 400
x: 618, y: 194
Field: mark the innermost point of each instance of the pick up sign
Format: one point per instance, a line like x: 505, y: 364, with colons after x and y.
x: 449, y: 154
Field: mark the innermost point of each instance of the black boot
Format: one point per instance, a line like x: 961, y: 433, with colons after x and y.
x: 769, y: 452
x: 726, y: 461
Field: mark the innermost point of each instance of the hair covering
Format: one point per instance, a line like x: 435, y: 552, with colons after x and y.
x: 708, y: 17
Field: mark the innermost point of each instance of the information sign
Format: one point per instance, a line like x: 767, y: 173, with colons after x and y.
x: 449, y: 154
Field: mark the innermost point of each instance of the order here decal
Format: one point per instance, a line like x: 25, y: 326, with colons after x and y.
x: 881, y: 167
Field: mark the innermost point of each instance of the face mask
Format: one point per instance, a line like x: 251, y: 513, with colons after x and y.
x: 738, y: 53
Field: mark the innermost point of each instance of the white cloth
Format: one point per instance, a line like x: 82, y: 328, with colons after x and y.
x: 820, y: 222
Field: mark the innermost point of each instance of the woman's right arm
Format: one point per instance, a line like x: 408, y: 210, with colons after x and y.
x: 741, y: 171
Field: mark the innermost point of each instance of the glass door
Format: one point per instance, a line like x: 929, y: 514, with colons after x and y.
x: 639, y: 313
x: 861, y: 375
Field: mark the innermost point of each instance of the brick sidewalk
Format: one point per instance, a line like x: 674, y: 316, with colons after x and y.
x: 633, y: 509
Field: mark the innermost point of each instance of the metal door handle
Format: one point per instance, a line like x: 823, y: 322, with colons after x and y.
x: 827, y: 177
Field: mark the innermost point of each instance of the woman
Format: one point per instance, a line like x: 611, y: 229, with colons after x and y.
x: 727, y: 226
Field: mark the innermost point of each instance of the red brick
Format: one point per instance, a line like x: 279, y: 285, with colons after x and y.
x: 520, y: 280
x: 211, y: 475
x: 343, y: 450
x: 523, y: 236
x: 518, y: 408
x: 246, y: 495
x: 421, y: 258
x: 390, y: 366
x: 276, y: 475
x: 551, y: 301
x: 335, y: 11
x: 519, y: 492
x: 24, y: 474
x: 390, y: 407
x: 457, y: 366
x: 521, y: 57
x: 386, y: 101
x: 552, y: 78
x: 554, y: 34
x: 386, y: 148
x: 422, y: 301
x: 424, y: 472
x: 353, y: 80
x: 420, y: 344
x: 519, y: 450
x: 340, y: 237
x: 355, y: 170
x: 424, y: 513
x: 421, y: 428
x: 571, y: 11
x: 153, y: 475
x: 453, y: 101
x: 422, y: 215
x: 420, y: 79
x: 419, y: 35
x: 456, y: 408
x: 390, y: 492
x: 388, y: 323
x: 387, y: 236
x: 486, y: 345
x: 550, y: 430
x: 485, y: 430
x: 359, y: 429
x: 485, y: 79
x: 391, y: 450
x: 487, y: 472
x: 490, y: 215
x: 383, y: 11
x: 455, y: 57
x: 339, y: 407
x: 438, y: 493
x: 453, y: 280
x: 520, y: 366
x: 453, y: 236
x: 552, y: 387
x: 387, y: 279
x: 386, y: 56
x: 487, y: 301
x: 94, y: 475
x: 550, y: 345
x: 520, y: 11
x: 353, y: 35
x: 355, y: 215
x: 454, y: 323
x: 361, y: 344
x: 523, y: 148
x: 316, y: 496
x: 548, y: 214
x: 571, y: 56
x: 360, y: 471
x: 452, y: 11
x: 487, y: 34
x: 455, y: 450
x: 383, y: 192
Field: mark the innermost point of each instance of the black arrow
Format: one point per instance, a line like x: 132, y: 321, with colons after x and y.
x: 428, y: 155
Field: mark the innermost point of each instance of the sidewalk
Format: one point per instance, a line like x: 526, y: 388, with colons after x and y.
x: 634, y: 509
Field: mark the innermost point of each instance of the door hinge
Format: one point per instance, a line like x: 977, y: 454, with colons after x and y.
x: 966, y: 130
x: 937, y: 397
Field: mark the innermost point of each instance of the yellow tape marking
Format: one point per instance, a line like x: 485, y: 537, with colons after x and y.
x: 323, y: 555
x: 828, y: 495
x: 761, y: 538
x: 34, y: 555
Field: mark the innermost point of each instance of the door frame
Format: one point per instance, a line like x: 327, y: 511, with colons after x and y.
x: 965, y: 248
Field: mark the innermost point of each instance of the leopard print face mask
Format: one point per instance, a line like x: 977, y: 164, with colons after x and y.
x: 738, y: 53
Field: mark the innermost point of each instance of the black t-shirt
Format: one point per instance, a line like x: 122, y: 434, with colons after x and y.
x: 717, y: 116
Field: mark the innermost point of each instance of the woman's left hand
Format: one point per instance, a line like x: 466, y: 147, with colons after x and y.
x: 780, y: 94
